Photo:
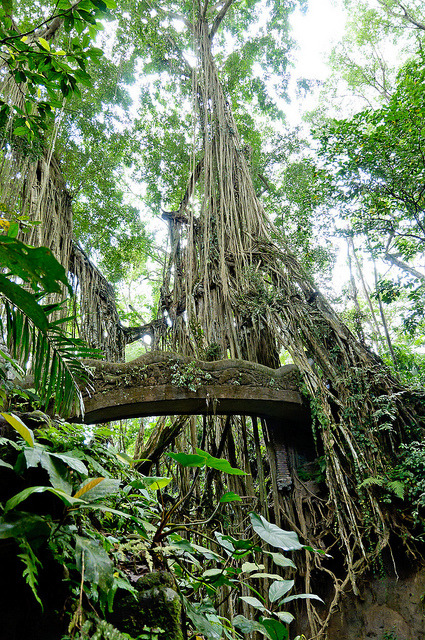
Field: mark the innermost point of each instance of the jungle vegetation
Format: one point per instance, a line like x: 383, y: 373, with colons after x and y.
x: 120, y: 123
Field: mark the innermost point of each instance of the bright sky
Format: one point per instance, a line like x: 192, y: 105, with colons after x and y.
x: 316, y: 32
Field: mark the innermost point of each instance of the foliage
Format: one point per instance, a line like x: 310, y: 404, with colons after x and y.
x: 89, y: 536
x: 31, y: 335
x: 377, y: 158
x: 189, y: 375
x: 46, y: 74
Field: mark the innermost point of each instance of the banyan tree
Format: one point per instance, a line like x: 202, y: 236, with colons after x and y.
x: 232, y: 288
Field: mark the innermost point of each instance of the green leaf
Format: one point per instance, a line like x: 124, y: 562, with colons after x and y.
x: 20, y: 131
x: 301, y: 596
x: 94, y: 563
x: 247, y: 626
x: 220, y: 464
x: 154, y: 484
x: 212, y: 573
x: 95, y: 488
x: 72, y: 462
x: 197, y: 615
x: 285, y: 616
x: 280, y: 560
x: 230, y: 497
x: 44, y: 44
x: 19, y: 524
x: 188, y: 459
x: 13, y: 230
x: 35, y: 265
x: 274, y: 535
x: 25, y: 301
x: 275, y: 629
x: 26, y: 493
x: 57, y: 474
x: 279, y: 588
x: 249, y: 567
x: 254, y: 602
x: 20, y: 427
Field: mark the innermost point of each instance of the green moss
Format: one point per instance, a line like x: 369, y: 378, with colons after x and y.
x: 156, y: 605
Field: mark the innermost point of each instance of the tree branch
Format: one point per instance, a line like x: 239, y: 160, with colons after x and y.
x: 219, y: 18
x: 402, y: 265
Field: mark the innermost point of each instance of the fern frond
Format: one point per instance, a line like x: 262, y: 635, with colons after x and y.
x: 53, y: 358
x: 31, y: 563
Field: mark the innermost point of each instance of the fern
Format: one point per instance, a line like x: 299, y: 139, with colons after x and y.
x: 55, y: 359
x: 31, y: 563
x: 372, y: 481
x: 397, y: 487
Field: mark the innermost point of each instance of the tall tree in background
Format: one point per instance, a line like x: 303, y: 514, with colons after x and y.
x: 229, y: 275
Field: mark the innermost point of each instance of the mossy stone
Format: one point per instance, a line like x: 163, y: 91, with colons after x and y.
x: 157, y: 605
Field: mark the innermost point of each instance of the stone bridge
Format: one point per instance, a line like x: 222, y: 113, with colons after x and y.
x: 161, y: 383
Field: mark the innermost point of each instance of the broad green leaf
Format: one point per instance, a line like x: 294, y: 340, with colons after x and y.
x: 18, y: 524
x: 154, y: 484
x: 13, y: 230
x: 228, y: 546
x: 301, y: 596
x: 94, y: 563
x: 35, y: 265
x: 247, y: 626
x: 249, y: 567
x: 20, y: 131
x: 56, y: 470
x: 87, y: 486
x: 98, y: 488
x: 20, y: 427
x: 280, y: 560
x: 211, y: 573
x: 274, y: 535
x: 188, y: 459
x: 124, y: 457
x: 254, y: 602
x: 44, y: 44
x: 207, y: 553
x: 25, y: 301
x: 270, y: 576
x: 72, y: 462
x: 285, y: 616
x: 230, y: 497
x: 220, y: 464
x: 275, y: 629
x: 198, y: 617
x: 279, y: 588
x: 69, y: 501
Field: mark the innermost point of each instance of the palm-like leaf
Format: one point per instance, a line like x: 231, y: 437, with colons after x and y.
x: 53, y: 357
x: 55, y: 360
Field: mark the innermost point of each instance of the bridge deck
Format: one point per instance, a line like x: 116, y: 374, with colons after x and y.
x: 161, y: 383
